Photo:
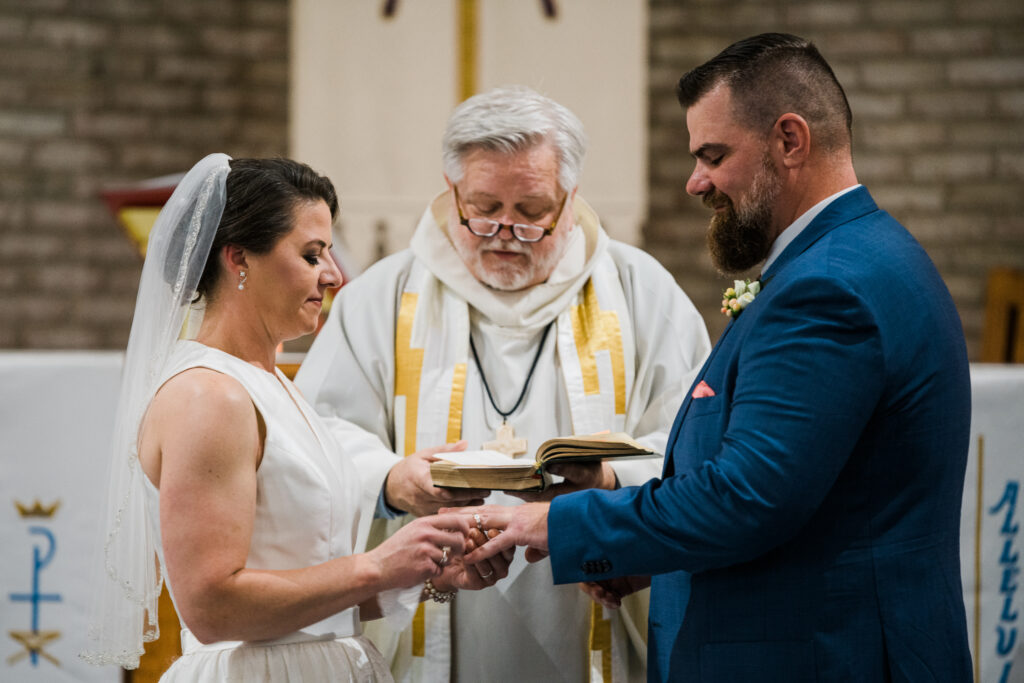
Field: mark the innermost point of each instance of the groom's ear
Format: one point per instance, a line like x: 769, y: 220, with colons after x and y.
x: 791, y: 140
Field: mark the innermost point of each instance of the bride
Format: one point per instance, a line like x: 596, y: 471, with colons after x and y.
x: 224, y: 472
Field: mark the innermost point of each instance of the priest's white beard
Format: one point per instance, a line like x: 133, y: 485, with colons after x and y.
x: 512, y: 277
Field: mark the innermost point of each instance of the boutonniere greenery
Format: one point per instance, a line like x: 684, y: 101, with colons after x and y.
x: 739, y: 296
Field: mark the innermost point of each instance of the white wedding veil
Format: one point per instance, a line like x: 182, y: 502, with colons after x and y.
x: 127, y: 579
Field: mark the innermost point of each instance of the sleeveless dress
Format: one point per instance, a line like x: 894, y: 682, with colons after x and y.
x: 306, y: 513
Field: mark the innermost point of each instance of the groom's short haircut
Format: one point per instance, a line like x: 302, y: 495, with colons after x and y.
x: 772, y: 74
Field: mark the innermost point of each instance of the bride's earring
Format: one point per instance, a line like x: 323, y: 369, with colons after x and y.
x: 241, y: 279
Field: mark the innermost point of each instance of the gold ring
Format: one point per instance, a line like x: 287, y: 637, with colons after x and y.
x: 444, y: 555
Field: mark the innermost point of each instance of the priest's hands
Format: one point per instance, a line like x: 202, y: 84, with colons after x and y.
x: 525, y: 525
x: 578, y: 476
x: 610, y: 592
x: 409, y: 488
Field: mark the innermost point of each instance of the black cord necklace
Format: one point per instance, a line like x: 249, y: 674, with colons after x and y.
x: 487, y: 388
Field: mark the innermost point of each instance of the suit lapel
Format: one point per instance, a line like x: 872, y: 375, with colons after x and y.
x: 669, y: 467
x: 849, y: 207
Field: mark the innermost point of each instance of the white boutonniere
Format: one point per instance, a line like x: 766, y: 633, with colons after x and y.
x: 739, y: 296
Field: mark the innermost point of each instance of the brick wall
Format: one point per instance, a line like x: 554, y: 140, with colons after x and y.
x: 937, y: 91
x: 96, y: 94
x: 102, y: 93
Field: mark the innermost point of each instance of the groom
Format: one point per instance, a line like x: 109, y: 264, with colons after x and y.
x: 806, y: 524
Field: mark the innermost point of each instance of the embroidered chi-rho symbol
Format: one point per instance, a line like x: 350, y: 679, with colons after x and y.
x: 34, y: 640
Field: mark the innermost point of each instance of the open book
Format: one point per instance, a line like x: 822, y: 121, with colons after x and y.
x: 493, y: 470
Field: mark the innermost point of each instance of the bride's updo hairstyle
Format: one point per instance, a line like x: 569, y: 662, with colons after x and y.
x: 261, y: 197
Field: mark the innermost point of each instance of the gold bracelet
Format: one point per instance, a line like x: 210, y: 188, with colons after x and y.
x: 436, y: 595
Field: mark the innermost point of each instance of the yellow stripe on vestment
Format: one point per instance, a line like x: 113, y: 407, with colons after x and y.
x: 455, y: 406
x: 408, y: 368
x: 419, y: 631
x: 596, y: 330
x: 408, y: 372
x: 601, y: 639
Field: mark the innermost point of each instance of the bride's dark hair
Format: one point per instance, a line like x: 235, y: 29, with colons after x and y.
x: 261, y: 197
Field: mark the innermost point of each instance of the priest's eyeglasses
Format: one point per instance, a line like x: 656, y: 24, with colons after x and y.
x: 524, y: 232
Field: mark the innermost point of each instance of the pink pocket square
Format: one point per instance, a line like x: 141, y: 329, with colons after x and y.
x: 702, y: 390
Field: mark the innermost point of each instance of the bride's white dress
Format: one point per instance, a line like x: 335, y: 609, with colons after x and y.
x: 306, y: 513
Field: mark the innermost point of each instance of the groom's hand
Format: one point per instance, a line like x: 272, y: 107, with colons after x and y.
x: 610, y: 592
x: 525, y: 525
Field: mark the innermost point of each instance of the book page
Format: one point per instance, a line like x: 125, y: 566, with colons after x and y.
x: 482, y: 458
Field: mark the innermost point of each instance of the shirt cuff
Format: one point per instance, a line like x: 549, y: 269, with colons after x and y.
x: 383, y: 510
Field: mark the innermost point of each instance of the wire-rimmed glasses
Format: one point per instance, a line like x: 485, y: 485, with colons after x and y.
x: 524, y: 232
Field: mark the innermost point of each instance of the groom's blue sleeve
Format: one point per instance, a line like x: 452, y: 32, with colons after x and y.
x: 805, y: 381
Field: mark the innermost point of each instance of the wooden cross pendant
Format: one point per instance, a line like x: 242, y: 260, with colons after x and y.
x: 506, y: 441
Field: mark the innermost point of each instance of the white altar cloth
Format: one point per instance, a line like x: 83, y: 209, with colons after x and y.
x: 991, y: 541
x: 56, y: 417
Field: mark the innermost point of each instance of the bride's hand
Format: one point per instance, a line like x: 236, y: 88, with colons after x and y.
x: 525, y: 525
x: 421, y: 549
x: 459, y: 575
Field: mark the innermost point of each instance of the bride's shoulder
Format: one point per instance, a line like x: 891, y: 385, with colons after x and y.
x: 199, y: 418
x: 203, y: 395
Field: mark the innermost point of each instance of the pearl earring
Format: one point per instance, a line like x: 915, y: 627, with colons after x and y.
x: 241, y: 281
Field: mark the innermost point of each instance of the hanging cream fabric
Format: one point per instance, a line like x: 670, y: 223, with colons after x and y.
x: 394, y: 359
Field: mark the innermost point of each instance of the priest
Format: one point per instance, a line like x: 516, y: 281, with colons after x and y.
x: 511, y: 319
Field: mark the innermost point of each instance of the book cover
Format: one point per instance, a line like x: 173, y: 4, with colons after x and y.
x: 486, y: 469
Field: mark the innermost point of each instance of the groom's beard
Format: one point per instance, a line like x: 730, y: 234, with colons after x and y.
x: 739, y: 239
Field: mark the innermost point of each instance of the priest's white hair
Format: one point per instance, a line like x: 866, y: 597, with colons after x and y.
x: 511, y: 119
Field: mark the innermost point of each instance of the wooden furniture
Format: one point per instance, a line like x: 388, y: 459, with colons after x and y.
x: 162, y: 652
x: 1003, y: 336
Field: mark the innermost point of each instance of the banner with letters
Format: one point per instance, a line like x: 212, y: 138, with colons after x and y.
x: 56, y: 417
x: 992, y: 524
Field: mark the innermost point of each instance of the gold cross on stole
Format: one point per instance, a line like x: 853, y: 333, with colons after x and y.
x: 506, y: 441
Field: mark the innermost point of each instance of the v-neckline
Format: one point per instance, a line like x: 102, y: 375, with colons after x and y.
x: 281, y: 380
x: 284, y: 382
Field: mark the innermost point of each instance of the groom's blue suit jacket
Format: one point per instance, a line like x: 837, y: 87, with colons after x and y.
x: 806, y: 527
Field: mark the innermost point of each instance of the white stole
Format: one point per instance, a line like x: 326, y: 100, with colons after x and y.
x: 596, y: 348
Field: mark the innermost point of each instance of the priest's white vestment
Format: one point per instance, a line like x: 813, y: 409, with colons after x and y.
x: 393, y: 357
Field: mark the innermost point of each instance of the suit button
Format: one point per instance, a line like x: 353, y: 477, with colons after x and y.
x: 596, y: 566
